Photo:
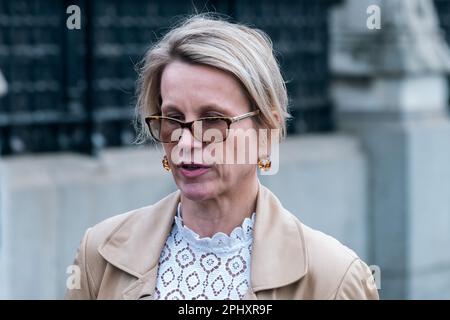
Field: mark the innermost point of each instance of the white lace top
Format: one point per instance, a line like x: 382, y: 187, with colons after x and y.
x: 191, y: 267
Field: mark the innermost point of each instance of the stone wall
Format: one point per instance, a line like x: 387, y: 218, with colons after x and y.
x: 48, y: 201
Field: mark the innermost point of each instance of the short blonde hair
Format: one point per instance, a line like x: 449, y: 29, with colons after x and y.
x: 245, y: 52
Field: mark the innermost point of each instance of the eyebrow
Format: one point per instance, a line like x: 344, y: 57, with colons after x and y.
x: 200, y: 109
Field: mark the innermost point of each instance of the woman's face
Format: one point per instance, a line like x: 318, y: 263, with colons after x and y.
x: 190, y: 92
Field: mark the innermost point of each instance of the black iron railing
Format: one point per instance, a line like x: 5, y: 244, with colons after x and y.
x: 73, y: 90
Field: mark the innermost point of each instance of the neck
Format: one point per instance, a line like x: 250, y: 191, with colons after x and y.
x: 223, y: 213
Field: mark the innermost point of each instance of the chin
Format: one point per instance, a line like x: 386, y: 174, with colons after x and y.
x: 197, y: 191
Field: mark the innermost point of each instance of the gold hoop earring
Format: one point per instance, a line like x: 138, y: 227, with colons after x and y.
x: 165, y: 163
x: 264, y: 164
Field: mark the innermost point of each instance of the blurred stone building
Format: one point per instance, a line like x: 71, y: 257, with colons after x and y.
x: 366, y: 159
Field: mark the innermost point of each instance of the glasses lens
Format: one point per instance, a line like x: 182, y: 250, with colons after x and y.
x: 210, y: 130
x: 165, y: 130
x: 205, y: 130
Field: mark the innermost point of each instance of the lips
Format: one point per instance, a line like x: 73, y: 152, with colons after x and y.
x: 193, y: 170
x: 192, y: 166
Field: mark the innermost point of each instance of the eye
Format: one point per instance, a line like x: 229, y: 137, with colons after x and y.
x: 213, y: 120
x: 178, y: 116
x: 212, y: 114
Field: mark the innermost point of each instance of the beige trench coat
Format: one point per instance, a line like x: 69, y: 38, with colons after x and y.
x: 118, y: 258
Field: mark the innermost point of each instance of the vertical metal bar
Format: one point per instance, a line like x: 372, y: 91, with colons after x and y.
x: 64, y: 77
x: 90, y: 147
x: 5, y: 147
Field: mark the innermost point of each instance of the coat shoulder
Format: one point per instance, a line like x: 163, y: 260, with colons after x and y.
x: 100, y: 232
x: 336, y: 270
x: 90, y: 262
x: 322, y: 247
x: 108, y: 243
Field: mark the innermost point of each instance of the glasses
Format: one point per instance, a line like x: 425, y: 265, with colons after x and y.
x: 208, y: 129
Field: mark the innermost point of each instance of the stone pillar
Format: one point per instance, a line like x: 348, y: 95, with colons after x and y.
x: 390, y: 89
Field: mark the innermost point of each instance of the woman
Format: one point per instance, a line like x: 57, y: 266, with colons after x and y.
x: 222, y: 235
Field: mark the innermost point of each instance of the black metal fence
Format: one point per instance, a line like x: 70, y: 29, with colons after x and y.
x: 443, y: 10
x: 73, y: 90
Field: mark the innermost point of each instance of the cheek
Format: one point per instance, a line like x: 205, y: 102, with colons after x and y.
x: 242, y: 149
x: 235, y: 174
x: 167, y: 150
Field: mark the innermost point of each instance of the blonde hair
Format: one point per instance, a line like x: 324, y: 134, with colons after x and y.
x: 245, y: 52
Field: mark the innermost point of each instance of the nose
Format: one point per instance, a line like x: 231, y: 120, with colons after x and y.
x: 188, y: 148
x: 187, y: 140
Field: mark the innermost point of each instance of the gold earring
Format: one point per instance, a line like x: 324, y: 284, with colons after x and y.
x: 165, y: 163
x: 264, y: 164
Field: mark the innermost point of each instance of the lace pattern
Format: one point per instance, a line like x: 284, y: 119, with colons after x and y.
x: 216, y: 267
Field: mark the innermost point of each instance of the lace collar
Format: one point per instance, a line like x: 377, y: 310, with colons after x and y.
x: 239, y: 237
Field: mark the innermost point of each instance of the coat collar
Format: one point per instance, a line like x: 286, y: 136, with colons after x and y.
x: 279, y: 253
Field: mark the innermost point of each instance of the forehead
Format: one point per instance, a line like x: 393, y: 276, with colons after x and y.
x: 191, y: 85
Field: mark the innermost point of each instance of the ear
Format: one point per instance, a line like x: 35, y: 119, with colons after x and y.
x: 278, y: 119
x: 264, y: 150
x: 277, y: 116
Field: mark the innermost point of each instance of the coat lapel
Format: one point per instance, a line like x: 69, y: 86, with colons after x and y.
x: 278, y: 258
x: 279, y: 253
x: 135, y: 246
